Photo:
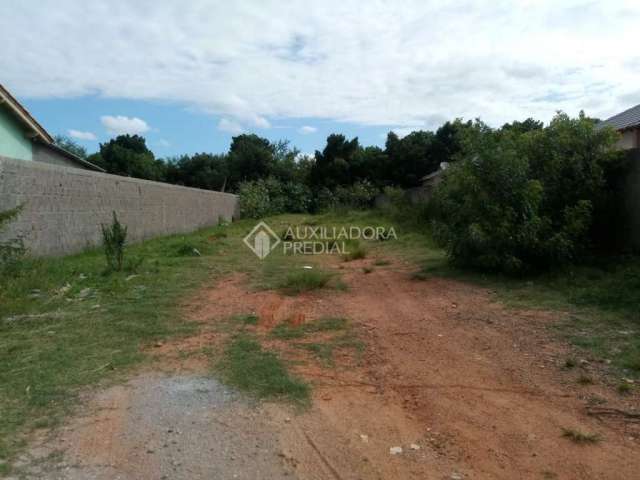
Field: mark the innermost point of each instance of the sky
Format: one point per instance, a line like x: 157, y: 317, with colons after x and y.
x: 189, y: 75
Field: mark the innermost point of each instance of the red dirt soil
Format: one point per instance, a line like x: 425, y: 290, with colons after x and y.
x: 478, y: 389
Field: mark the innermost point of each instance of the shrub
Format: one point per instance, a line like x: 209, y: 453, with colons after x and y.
x: 12, y: 250
x: 360, y: 195
x: 520, y: 202
x: 270, y: 196
x: 114, y: 238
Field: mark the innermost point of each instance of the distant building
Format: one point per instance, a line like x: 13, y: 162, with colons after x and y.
x: 23, y: 138
x: 628, y: 124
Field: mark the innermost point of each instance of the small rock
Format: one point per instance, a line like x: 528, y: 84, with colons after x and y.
x: 158, y: 344
x: 414, y: 446
x: 455, y: 476
x: 364, y: 438
x: 287, y: 419
x: 395, y: 450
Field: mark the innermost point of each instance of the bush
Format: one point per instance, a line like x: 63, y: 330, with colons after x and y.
x: 270, y: 196
x: 11, y: 251
x: 523, y: 201
x: 114, y: 238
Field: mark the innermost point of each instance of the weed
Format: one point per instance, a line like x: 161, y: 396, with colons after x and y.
x: 246, y: 366
x: 114, y: 238
x: 325, y: 350
x: 355, y: 251
x: 367, y: 269
x: 247, y: 319
x: 304, y: 280
x: 187, y: 250
x: 624, y: 388
x: 580, y: 437
x: 570, y: 363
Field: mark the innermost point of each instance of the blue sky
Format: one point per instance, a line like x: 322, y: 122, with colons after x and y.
x: 189, y: 75
x: 174, y: 129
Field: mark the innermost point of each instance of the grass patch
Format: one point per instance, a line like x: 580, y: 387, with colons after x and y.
x: 577, y: 436
x: 624, y: 388
x: 355, y: 251
x: 287, y: 331
x: 367, y: 269
x: 246, y: 319
x: 325, y: 350
x: 248, y: 367
x: 570, y: 363
x: 304, y: 280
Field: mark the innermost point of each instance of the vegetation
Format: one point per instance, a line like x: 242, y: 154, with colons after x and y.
x: 521, y: 202
x: 580, y: 437
x: 114, y: 238
x: 247, y: 366
x: 304, y: 280
x: 12, y: 250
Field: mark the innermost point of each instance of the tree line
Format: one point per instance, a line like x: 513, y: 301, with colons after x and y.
x: 343, y: 162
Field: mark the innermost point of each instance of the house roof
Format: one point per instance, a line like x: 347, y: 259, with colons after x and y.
x: 628, y: 119
x: 35, y: 129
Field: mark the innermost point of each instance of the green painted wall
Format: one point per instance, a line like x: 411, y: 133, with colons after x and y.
x: 13, y: 143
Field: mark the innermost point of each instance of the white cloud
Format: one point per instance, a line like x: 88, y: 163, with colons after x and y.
x: 164, y: 143
x: 80, y: 135
x: 230, y: 126
x: 121, y: 125
x: 306, y: 130
x: 392, y: 63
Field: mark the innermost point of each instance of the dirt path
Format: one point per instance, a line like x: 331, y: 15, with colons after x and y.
x: 465, y: 387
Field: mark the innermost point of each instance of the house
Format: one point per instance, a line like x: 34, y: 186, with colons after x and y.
x: 627, y: 124
x: 23, y: 138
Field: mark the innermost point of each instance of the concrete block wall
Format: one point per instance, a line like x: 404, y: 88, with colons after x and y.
x: 64, y: 207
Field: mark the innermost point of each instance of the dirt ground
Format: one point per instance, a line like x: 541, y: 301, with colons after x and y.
x: 465, y: 387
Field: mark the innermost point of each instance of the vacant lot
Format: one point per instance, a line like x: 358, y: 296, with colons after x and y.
x: 202, y: 361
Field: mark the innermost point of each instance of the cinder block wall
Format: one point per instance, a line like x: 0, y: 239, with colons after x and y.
x: 64, y: 207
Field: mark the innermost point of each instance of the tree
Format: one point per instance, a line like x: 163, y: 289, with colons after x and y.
x: 529, y: 125
x: 70, y: 146
x: 202, y: 170
x: 250, y: 158
x: 524, y: 201
x: 410, y: 158
x: 128, y: 155
x: 332, y: 166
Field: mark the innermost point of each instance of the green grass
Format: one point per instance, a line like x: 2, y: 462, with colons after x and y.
x: 304, y: 280
x: 246, y: 319
x: 64, y: 325
x: 580, y: 437
x: 286, y: 331
x: 325, y: 350
x: 354, y: 251
x: 248, y: 367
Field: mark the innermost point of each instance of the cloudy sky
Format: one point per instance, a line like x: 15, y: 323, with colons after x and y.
x: 190, y: 74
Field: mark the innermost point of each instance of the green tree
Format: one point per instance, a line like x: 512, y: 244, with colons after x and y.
x: 202, y: 170
x: 332, y: 166
x: 70, y: 146
x: 250, y: 157
x: 524, y: 201
x: 128, y: 155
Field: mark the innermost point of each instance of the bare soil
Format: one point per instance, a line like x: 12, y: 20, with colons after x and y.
x: 466, y: 387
